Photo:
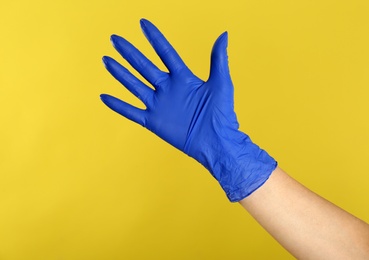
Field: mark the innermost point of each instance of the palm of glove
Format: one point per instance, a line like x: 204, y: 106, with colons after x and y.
x: 189, y: 113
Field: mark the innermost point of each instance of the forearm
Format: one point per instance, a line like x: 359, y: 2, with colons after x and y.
x: 307, y: 225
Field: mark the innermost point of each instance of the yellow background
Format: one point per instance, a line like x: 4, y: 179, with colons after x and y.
x: 78, y: 181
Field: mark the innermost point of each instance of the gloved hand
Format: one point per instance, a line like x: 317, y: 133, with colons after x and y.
x: 196, y: 117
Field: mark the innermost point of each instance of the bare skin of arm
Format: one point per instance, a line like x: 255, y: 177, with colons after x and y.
x: 304, y: 223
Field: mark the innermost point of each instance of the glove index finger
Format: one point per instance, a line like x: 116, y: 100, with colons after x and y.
x: 163, y: 48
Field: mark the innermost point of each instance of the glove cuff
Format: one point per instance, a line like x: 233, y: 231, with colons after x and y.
x: 239, y: 165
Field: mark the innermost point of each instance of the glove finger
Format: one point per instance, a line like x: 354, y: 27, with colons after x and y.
x: 132, y: 113
x: 163, y: 48
x: 138, y: 61
x: 219, y: 58
x: 133, y: 84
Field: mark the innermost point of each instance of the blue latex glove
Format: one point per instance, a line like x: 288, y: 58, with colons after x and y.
x: 196, y: 117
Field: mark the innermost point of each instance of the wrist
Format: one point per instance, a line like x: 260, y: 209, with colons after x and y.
x: 239, y: 165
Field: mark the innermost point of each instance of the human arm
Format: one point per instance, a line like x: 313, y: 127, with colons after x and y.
x: 304, y: 223
x: 197, y: 117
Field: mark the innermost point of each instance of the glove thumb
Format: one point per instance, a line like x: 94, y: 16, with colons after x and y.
x: 219, y: 59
